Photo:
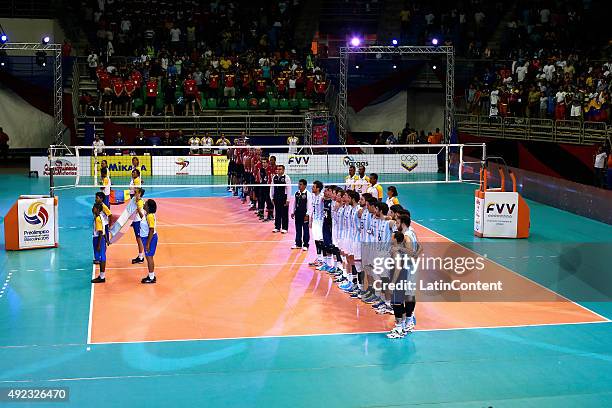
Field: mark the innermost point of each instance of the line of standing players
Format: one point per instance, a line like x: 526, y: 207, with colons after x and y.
x: 351, y: 226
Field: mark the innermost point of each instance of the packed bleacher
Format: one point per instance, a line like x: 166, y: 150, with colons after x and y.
x: 549, y: 67
x: 186, y: 57
x: 556, y: 87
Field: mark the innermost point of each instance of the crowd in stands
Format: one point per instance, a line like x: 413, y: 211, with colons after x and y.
x: 466, y: 25
x: 550, y: 68
x: 560, y: 87
x: 186, y: 56
x: 408, y: 135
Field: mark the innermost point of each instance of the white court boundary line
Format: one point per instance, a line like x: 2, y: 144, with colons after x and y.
x: 518, y: 274
x: 91, y: 300
x: 436, y: 234
x: 350, y: 333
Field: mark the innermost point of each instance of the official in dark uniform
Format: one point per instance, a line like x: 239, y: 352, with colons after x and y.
x: 301, y: 213
x: 280, y: 194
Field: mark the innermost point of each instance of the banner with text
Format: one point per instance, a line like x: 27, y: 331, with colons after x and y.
x: 500, y: 214
x: 36, y: 222
x: 64, y: 166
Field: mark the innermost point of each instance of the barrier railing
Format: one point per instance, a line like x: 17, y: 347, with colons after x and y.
x: 566, y: 131
x: 231, y: 125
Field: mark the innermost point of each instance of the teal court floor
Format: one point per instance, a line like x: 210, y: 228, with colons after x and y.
x: 45, y: 307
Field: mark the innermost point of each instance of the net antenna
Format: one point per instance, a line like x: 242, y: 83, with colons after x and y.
x: 447, y: 50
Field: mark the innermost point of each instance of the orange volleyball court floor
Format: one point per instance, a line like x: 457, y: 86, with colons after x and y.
x: 223, y: 274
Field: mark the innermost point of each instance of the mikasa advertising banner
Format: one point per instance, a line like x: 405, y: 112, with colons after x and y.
x: 500, y: 214
x: 36, y: 222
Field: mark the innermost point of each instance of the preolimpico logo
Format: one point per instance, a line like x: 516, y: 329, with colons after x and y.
x: 350, y: 161
x: 62, y: 167
x: 36, y: 214
x: 182, y: 164
x: 409, y: 162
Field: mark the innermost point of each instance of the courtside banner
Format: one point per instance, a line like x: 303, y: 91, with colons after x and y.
x: 64, y: 166
x: 36, y: 222
x: 182, y: 165
x: 409, y: 163
x: 500, y: 214
x: 121, y: 166
x: 302, y: 163
x: 478, y: 220
x: 220, y: 165
x: 340, y: 163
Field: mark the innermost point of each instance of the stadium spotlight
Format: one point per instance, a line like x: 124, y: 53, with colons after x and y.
x: 3, y: 38
x: 434, y: 41
x: 355, y: 42
x: 45, y: 40
x: 394, y: 42
x: 41, y: 59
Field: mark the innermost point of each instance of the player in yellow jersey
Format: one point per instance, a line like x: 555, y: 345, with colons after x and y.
x: 392, y: 196
x: 138, y: 216
x: 194, y: 145
x: 375, y: 189
x: 105, y: 214
x: 148, y: 235
x: 362, y: 182
x: 136, y: 181
x: 106, y: 186
x: 349, y: 181
x: 99, y: 243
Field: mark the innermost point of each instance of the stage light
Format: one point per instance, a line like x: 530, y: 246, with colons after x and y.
x: 434, y: 67
x: 434, y: 41
x: 356, y: 66
x: 3, y: 38
x: 3, y: 58
x: 394, y: 66
x: 41, y: 59
x: 355, y: 42
x: 394, y: 41
x: 45, y: 40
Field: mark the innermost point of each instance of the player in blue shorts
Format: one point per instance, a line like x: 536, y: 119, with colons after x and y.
x: 148, y: 235
x: 138, y: 194
x: 99, y: 243
x: 105, y: 214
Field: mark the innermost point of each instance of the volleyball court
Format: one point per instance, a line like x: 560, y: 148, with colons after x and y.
x: 223, y: 273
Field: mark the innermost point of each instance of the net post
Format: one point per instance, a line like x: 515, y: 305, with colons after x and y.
x: 78, y: 163
x: 460, y: 163
x: 95, y: 157
x: 446, y: 162
x: 51, y: 179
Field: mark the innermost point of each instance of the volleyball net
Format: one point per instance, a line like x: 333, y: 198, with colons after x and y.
x: 224, y: 166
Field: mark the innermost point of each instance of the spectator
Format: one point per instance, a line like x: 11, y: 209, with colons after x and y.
x: 140, y: 140
x: 154, y: 140
x: 92, y: 63
x: 599, y: 167
x: 390, y: 142
x: 435, y: 138
x: 98, y: 146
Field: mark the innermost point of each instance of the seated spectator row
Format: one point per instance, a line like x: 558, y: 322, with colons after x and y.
x: 207, y: 82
